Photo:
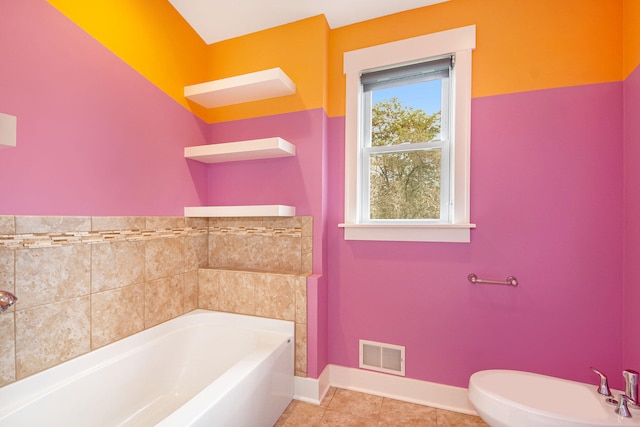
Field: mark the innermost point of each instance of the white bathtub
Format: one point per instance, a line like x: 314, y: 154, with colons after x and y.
x: 202, y: 369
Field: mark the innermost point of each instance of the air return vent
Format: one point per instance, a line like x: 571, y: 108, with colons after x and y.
x: 382, y: 357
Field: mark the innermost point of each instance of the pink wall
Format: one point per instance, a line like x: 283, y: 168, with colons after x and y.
x: 631, y: 353
x: 293, y: 181
x: 94, y: 137
x: 547, y: 201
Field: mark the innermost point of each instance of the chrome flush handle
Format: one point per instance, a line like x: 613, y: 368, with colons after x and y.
x: 603, y: 389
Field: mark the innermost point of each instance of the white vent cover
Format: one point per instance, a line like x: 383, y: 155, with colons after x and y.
x: 382, y: 357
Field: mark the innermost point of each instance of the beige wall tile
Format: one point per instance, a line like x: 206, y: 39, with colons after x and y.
x: 301, y: 350
x: 164, y: 222
x: 236, y: 293
x: 110, y: 223
x: 164, y: 257
x: 268, y: 244
x: 277, y: 254
x: 208, y: 289
x: 236, y: 222
x: 228, y: 251
x: 53, y: 274
x: 274, y: 295
x: 306, y: 261
x: 116, y: 314
x: 52, y: 224
x: 282, y: 222
x: 7, y: 281
x: 196, y: 251
x: 50, y: 334
x: 7, y: 224
x: 307, y: 226
x: 164, y: 300
x: 7, y: 349
x: 7, y: 276
x: 301, y: 299
x: 281, y: 254
x: 190, y: 290
x: 117, y: 264
x: 194, y: 222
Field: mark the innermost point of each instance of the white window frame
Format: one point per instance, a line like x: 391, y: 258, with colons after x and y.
x: 459, y: 42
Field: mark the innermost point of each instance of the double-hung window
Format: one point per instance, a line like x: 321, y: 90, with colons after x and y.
x: 407, y: 139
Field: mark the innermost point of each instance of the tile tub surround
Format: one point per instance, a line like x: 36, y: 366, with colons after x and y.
x: 273, y: 295
x: 269, y: 244
x: 258, y: 266
x: 84, y: 282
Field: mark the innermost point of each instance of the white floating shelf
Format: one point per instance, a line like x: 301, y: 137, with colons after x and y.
x: 233, y: 211
x: 8, y: 126
x: 264, y: 84
x: 265, y: 148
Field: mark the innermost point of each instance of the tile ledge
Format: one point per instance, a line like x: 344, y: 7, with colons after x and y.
x: 256, y: 271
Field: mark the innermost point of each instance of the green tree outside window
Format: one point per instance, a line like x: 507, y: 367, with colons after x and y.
x: 404, y: 184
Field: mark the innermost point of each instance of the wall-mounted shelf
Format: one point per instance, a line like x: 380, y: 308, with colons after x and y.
x: 235, y: 211
x: 265, y: 148
x: 264, y: 84
x: 8, y: 126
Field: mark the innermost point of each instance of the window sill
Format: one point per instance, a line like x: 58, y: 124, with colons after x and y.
x: 454, y: 233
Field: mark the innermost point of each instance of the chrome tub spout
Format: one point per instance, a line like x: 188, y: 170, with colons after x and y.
x: 7, y: 299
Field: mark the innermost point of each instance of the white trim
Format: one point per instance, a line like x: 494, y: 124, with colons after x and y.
x: 426, y: 393
x: 459, y: 41
x: 455, y: 233
x: 406, y: 389
x: 8, y: 126
x: 311, y: 390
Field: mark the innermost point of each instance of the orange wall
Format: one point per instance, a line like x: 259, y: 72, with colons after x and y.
x: 299, y: 48
x: 521, y: 46
x: 149, y: 35
x: 631, y: 36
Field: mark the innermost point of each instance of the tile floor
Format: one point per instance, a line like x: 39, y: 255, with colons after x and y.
x: 346, y: 408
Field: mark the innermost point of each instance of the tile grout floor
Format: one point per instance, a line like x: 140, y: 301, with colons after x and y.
x: 346, y: 408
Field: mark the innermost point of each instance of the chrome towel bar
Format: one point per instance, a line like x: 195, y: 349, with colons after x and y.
x: 512, y: 281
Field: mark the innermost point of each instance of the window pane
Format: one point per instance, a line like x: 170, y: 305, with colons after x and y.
x: 406, y: 114
x: 405, y: 185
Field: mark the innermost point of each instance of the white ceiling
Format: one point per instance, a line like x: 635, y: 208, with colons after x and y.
x: 216, y: 20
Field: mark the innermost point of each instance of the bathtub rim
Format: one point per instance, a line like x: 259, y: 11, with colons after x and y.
x: 20, y: 393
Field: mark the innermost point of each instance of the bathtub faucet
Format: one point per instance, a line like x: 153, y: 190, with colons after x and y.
x: 7, y: 299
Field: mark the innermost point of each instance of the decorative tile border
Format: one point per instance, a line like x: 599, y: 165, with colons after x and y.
x: 45, y: 240
x: 257, y: 231
x: 40, y: 240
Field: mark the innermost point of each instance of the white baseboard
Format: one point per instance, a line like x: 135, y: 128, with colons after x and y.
x: 311, y: 390
x: 400, y: 388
